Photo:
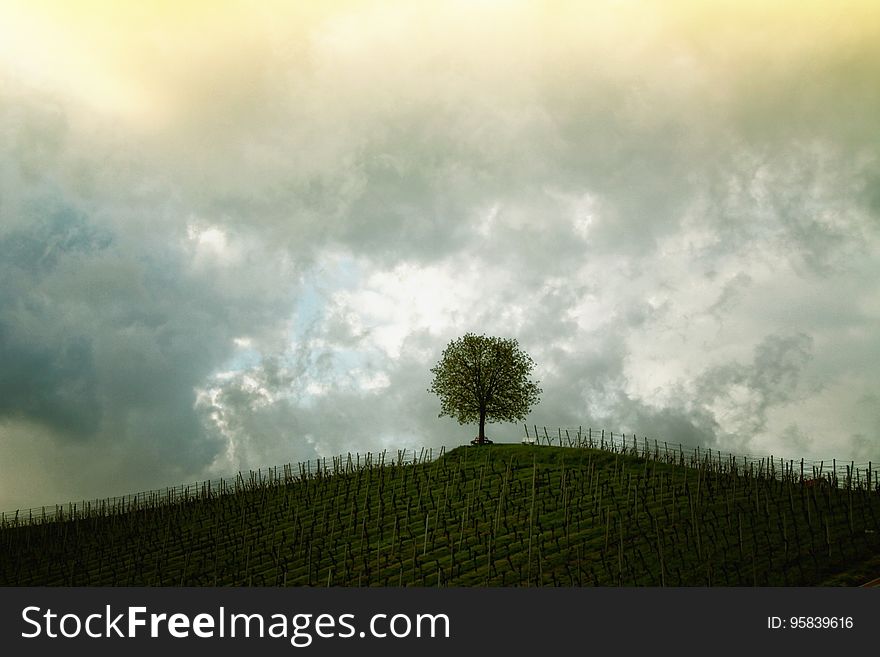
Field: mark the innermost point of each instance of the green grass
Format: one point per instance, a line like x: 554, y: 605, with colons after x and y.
x: 500, y: 515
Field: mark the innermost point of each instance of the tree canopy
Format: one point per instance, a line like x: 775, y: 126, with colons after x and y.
x: 481, y: 378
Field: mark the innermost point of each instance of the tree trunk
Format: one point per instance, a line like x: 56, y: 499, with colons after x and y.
x: 481, y: 438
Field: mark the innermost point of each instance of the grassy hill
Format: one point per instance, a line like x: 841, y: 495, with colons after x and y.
x: 500, y: 515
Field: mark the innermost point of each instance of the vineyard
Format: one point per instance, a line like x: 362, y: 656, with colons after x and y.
x: 499, y: 515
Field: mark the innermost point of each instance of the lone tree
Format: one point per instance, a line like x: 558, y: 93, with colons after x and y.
x: 483, y: 378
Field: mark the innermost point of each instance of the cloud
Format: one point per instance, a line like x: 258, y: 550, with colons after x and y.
x: 235, y: 237
x: 46, y: 374
x: 739, y: 395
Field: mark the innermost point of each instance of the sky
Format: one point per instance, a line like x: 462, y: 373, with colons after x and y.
x: 239, y: 234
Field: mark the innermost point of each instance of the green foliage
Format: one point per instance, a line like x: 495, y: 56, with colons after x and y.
x: 482, y: 378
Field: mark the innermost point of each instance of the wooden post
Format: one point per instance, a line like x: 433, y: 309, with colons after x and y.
x: 532, y: 517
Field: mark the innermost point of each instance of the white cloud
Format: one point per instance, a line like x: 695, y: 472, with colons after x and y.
x: 389, y: 305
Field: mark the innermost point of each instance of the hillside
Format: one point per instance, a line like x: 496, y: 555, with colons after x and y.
x: 501, y: 515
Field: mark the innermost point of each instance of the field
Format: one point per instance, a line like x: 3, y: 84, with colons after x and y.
x: 499, y: 515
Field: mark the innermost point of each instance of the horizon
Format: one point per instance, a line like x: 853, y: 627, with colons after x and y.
x: 235, y: 235
x: 825, y: 468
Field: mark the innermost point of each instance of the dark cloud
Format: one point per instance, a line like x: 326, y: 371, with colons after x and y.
x: 48, y: 375
x: 104, y: 340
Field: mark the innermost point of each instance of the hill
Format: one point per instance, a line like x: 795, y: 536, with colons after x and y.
x: 500, y: 515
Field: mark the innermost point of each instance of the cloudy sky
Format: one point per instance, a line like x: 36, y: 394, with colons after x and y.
x: 239, y: 234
